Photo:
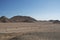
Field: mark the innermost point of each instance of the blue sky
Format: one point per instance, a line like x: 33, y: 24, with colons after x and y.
x: 38, y: 9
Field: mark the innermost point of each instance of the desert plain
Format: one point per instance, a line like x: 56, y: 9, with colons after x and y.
x: 30, y: 31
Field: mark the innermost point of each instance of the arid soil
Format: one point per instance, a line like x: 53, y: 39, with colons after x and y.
x: 29, y: 31
x: 27, y: 27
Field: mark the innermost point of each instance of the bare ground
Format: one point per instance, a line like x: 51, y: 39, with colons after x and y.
x: 8, y: 31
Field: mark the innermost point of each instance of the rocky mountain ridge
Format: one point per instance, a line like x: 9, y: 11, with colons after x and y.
x: 4, y: 19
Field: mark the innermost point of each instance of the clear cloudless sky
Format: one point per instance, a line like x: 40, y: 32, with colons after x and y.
x: 38, y: 9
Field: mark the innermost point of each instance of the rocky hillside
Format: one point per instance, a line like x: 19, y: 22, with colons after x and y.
x: 17, y: 19
x: 4, y: 19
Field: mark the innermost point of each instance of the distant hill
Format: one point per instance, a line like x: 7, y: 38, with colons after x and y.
x: 4, y: 19
x: 22, y: 19
x: 17, y: 19
x: 55, y: 21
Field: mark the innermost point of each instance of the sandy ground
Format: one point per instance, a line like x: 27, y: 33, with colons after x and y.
x: 27, y: 27
x: 42, y: 31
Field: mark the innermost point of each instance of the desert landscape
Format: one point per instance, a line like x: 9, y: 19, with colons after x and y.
x: 29, y: 30
x: 29, y: 19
